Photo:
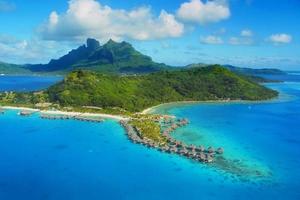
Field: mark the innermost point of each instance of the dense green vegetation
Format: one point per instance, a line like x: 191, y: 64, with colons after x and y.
x: 148, y: 129
x: 259, y: 79
x: 251, y: 71
x: 112, y: 57
x: 135, y: 93
x: 22, y: 98
x: 243, y: 70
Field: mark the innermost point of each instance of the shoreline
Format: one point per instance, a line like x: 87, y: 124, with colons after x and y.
x: 150, y: 109
x: 106, y: 116
x: 175, y: 103
x: 20, y: 108
x: 58, y: 112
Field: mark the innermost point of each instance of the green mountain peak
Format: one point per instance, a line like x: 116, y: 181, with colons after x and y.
x: 113, y: 57
x: 92, y: 44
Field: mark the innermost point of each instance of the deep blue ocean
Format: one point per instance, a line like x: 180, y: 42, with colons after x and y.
x: 59, y: 160
x: 23, y: 83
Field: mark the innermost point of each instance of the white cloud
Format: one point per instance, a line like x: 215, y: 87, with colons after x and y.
x: 222, y: 31
x: 211, y: 40
x: 200, y: 12
x: 281, y: 38
x: 53, y: 18
x: 234, y: 41
x: 89, y: 18
x: 246, y: 33
x: 13, y: 50
x: 6, y: 6
x: 240, y: 41
x: 245, y: 38
x: 7, y: 39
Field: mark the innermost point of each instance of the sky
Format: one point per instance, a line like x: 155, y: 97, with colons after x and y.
x: 246, y: 33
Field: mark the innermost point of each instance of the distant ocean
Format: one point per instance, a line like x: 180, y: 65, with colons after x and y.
x: 55, y: 160
x: 23, y: 83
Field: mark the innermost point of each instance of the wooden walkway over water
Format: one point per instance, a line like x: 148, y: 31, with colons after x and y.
x: 172, y: 146
x: 71, y: 117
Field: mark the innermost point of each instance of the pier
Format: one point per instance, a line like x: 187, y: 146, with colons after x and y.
x: 73, y: 117
x: 169, y: 125
x: 89, y: 119
x: 56, y: 117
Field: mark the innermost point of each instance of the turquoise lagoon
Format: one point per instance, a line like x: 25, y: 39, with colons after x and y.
x: 41, y: 159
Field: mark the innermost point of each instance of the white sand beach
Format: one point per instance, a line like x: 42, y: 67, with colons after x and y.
x: 50, y: 112
x: 107, y: 116
x: 20, y: 108
x: 149, y: 110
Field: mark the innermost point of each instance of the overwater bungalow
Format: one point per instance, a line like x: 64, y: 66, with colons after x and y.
x: 209, y: 158
x: 25, y: 113
x: 55, y: 117
x: 172, y: 146
x: 182, y: 122
x: 168, y: 137
x: 185, y: 151
x: 164, y: 148
x: 178, y: 144
x: 183, y: 145
x: 166, y: 133
x: 202, y: 157
x: 88, y: 119
x: 168, y: 149
x: 193, y: 147
x: 220, y: 150
x: 174, y: 126
x: 181, y: 152
x: 211, y: 150
x: 171, y: 140
x: 166, y: 121
x: 201, y: 148
x: 173, y: 150
x: 134, y: 140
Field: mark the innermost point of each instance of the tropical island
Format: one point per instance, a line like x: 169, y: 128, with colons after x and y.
x: 118, y: 82
x: 149, y: 100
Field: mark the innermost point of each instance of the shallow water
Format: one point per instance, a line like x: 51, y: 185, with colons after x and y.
x: 41, y: 159
x: 264, y: 136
